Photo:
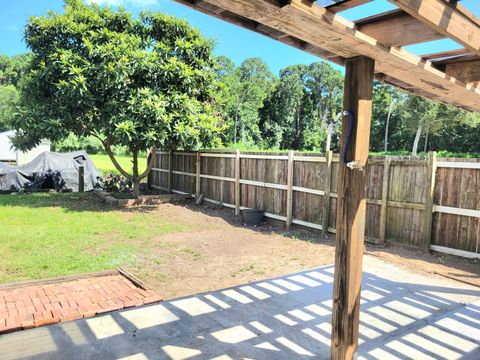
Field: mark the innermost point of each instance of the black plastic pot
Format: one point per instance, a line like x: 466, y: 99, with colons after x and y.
x: 252, y: 217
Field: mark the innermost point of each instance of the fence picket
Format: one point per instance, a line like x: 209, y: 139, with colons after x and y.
x: 409, y: 197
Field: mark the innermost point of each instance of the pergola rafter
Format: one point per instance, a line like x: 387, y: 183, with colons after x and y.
x: 319, y: 31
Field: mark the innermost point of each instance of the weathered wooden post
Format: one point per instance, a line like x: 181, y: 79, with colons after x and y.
x: 351, y: 206
x: 384, y: 206
x: 326, y: 192
x: 170, y: 171
x: 431, y: 167
x: 237, y: 182
x: 81, y: 179
x: 289, y: 210
x: 197, y: 175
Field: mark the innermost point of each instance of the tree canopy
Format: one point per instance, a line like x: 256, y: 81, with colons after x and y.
x: 145, y: 83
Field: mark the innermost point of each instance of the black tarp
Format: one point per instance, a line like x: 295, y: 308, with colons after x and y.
x: 49, y: 170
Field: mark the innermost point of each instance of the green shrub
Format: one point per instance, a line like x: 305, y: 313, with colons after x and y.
x: 90, y: 144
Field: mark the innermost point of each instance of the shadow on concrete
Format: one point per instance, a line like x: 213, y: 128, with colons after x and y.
x: 281, y: 318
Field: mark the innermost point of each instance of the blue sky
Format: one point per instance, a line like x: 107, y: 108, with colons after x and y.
x: 232, y: 41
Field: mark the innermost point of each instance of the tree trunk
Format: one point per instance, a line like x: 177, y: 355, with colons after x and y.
x: 425, y: 146
x: 235, y: 123
x: 135, y: 178
x: 385, y: 144
x: 417, y: 139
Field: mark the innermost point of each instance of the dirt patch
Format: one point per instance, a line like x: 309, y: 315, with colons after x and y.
x: 218, y: 251
x: 436, y: 264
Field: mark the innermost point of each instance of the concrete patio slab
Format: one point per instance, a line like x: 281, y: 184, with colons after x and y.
x: 404, y: 316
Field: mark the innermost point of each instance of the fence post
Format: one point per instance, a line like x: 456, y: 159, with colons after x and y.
x: 150, y: 174
x: 197, y: 175
x: 430, y: 191
x: 326, y: 192
x: 170, y: 171
x: 384, y: 206
x: 81, y: 179
x: 289, y: 189
x: 237, y: 182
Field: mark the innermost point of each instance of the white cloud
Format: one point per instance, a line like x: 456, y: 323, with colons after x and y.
x: 138, y: 3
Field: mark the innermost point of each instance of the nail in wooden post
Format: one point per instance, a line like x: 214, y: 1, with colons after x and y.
x: 237, y: 183
x: 384, y: 205
x: 197, y: 175
x: 351, y: 208
x: 326, y: 192
x: 429, y: 198
x: 289, y: 189
x: 81, y: 179
x: 170, y: 171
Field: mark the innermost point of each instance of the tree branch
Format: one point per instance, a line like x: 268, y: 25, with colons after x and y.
x: 106, y: 145
x: 153, y: 153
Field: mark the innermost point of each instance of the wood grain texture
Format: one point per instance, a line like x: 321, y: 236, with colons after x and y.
x: 397, y: 28
x: 351, y: 209
x: 327, y: 190
x: 237, y: 183
x: 289, y: 209
x: 429, y: 200
x: 446, y: 19
x: 384, y: 209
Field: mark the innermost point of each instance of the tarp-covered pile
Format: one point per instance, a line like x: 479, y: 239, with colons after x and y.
x: 49, y: 170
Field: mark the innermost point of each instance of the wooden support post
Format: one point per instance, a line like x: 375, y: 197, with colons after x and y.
x: 170, y: 171
x: 81, y: 179
x: 289, y: 210
x: 384, y: 206
x: 237, y: 183
x: 351, y: 206
x: 429, y: 197
x: 326, y: 192
x: 197, y: 175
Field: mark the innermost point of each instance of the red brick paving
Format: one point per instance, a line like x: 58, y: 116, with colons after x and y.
x: 43, y: 304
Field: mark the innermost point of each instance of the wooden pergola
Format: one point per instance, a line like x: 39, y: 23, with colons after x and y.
x: 370, y: 48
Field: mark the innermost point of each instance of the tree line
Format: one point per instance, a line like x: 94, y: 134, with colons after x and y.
x: 298, y: 108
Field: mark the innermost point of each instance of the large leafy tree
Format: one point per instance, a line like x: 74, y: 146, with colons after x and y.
x: 144, y: 83
x: 13, y: 69
x: 8, y: 101
x: 305, y: 100
x: 246, y: 88
x: 282, y: 121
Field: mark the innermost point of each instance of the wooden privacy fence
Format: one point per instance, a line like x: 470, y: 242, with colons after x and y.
x: 427, y: 203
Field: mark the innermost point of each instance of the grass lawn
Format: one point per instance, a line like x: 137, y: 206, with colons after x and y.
x: 105, y: 166
x: 46, y: 235
x: 177, y: 249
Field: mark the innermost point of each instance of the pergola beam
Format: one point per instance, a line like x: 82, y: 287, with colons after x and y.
x: 345, y: 5
x: 467, y: 70
x: 330, y: 36
x: 445, y: 54
x: 397, y: 28
x: 453, y: 21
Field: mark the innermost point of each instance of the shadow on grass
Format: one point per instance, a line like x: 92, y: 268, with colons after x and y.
x: 69, y: 202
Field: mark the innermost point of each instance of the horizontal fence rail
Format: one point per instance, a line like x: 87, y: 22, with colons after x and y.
x: 414, y: 201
